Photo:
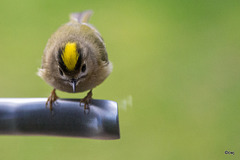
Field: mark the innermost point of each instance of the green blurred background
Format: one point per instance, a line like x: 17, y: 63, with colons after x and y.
x: 176, y: 76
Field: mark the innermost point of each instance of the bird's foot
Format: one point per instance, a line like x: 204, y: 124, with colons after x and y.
x: 52, y: 98
x: 86, y: 100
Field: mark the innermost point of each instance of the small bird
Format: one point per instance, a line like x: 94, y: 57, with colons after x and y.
x: 75, y: 59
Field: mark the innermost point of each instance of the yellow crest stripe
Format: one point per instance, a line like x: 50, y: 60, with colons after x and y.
x: 70, y: 55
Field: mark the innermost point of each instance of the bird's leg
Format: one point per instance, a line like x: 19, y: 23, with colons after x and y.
x: 52, y: 98
x: 86, y: 100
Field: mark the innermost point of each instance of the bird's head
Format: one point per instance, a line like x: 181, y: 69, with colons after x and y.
x: 71, y: 64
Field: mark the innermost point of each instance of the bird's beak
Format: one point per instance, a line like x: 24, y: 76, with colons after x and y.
x: 74, y: 85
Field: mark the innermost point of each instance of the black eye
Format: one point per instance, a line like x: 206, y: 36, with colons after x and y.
x: 84, y: 68
x: 60, y: 72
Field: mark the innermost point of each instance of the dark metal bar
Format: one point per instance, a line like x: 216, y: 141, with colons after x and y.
x: 30, y: 116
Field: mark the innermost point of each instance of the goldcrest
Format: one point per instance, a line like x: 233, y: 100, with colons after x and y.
x: 75, y: 58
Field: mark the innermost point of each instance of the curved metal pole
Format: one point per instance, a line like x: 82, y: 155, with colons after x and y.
x: 29, y: 116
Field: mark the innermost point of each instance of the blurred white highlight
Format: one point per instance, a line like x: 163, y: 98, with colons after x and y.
x: 126, y: 103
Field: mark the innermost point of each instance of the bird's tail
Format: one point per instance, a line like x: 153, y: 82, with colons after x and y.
x: 81, y: 17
